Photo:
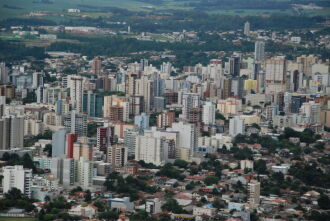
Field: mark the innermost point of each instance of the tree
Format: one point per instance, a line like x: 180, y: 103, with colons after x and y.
x: 48, y: 150
x: 324, y: 202
x: 260, y: 166
x: 180, y: 163
x: 109, y: 215
x: 211, y: 180
x: 14, y: 194
x: 100, y: 205
x: 218, y: 204
x: 172, y: 206
x: 88, y: 196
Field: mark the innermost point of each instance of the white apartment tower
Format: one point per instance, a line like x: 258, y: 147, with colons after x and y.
x: 247, y: 28
x: 311, y: 111
x: 236, y: 126
x: 275, y: 78
x: 209, y: 113
x: 17, y: 177
x: 259, y: 50
x: 150, y: 149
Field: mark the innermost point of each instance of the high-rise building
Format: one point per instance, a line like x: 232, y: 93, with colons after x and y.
x: 41, y: 95
x: 3, y: 73
x: 76, y: 123
x: 209, y: 113
x: 11, y: 132
x: 82, y: 149
x: 70, y: 140
x: 142, y: 121
x: 259, y: 50
x: 234, y: 65
x: 116, y: 108
x: 117, y: 155
x: 76, y: 92
x: 187, y: 135
x: 68, y: 172
x: 312, y: 111
x: 17, y: 177
x: 189, y: 101
x: 166, y: 67
x: 296, y: 102
x: 150, y: 149
x: 37, y: 79
x: 93, y: 104
x: 305, y: 63
x: 145, y: 88
x: 254, y: 193
x: 85, y: 173
x: 104, y: 138
x: 236, y: 126
x: 130, y: 136
x: 275, y: 78
x: 296, y: 80
x: 96, y: 66
x: 58, y: 143
x: 247, y: 28
x: 237, y: 86
x: 165, y: 119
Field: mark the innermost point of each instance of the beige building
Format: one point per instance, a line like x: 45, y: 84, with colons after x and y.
x: 229, y: 106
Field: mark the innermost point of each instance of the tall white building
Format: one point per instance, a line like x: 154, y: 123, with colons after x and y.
x: 150, y: 149
x: 187, y: 135
x: 85, y: 173
x: 312, y: 111
x: 259, y: 50
x: 209, y: 113
x: 247, y: 28
x: 76, y: 92
x: 275, y: 78
x: 17, y: 177
x: 236, y: 126
x: 37, y: 79
x: 254, y: 193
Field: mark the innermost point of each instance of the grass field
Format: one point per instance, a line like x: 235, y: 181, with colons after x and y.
x: 17, y: 219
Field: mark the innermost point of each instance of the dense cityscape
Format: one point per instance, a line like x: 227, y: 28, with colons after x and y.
x: 128, y: 116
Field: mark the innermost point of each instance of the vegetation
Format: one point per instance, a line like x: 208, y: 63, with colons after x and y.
x: 169, y: 171
x: 129, y: 186
x: 172, y: 206
x: 14, y: 159
x: 15, y: 198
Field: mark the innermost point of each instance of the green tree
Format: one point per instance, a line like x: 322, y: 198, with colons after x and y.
x: 172, y: 206
x: 260, y: 166
x: 324, y: 202
x: 88, y: 196
x: 180, y: 163
x: 211, y: 180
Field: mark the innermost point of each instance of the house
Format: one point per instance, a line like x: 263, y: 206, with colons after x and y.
x: 121, y: 204
x: 84, y: 210
x: 198, y: 211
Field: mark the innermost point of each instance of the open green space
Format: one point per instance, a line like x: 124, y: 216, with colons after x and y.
x: 93, y: 8
x: 17, y: 219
